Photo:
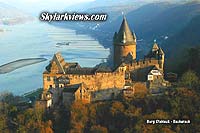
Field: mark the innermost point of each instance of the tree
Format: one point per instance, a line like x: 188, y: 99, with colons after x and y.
x: 140, y: 90
x: 189, y: 79
x: 79, y: 116
x: 117, y: 107
x: 92, y: 114
x: 3, y: 124
x: 193, y: 58
x: 98, y: 129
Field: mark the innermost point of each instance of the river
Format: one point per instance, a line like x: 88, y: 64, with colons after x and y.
x: 38, y: 40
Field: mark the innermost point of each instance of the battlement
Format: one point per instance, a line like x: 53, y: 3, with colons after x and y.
x: 143, y: 63
x: 94, y: 80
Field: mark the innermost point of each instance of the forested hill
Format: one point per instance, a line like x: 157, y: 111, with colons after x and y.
x: 157, y: 20
x: 187, y: 37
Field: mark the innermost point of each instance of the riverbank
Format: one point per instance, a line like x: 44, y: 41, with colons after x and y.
x: 11, y: 66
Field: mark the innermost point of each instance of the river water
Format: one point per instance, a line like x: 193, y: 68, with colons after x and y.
x: 38, y: 39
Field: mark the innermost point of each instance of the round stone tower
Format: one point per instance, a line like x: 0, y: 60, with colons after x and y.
x: 124, y: 43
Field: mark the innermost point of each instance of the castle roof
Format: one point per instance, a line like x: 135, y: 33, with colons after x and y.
x: 103, y: 68
x: 72, y: 88
x: 152, y: 71
x: 161, y: 51
x: 141, y: 73
x: 58, y: 65
x: 155, y: 52
x: 60, y: 62
x: 88, y: 71
x: 72, y: 65
x: 155, y: 47
x: 80, y: 71
x: 125, y: 35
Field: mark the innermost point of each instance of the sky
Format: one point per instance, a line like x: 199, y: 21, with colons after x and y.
x: 35, y: 6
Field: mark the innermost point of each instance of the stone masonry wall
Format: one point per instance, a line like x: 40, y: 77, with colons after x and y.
x: 94, y: 82
x: 143, y: 64
x: 122, y: 51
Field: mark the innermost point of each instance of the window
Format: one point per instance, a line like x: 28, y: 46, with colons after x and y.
x: 48, y: 78
x: 150, y: 77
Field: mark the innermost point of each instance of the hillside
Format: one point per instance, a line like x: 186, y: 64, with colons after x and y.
x: 187, y: 37
x: 10, y: 15
x: 157, y: 20
x: 173, y: 25
x: 183, y: 48
x: 117, y: 116
x: 96, y: 4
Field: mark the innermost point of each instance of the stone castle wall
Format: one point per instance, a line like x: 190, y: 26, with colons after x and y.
x: 97, y: 81
x: 143, y: 63
x: 47, y: 83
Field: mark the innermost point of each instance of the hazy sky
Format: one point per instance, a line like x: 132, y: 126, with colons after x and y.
x: 35, y: 6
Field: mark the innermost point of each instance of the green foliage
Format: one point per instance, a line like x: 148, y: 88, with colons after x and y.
x: 34, y: 94
x: 117, y: 108
x: 15, y: 117
x: 98, y: 129
x: 189, y: 79
x: 186, y: 60
x: 122, y: 115
x: 79, y: 116
x: 130, y: 115
x: 3, y: 124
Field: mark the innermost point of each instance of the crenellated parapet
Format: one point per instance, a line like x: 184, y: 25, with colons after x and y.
x: 96, y: 78
x: 142, y: 64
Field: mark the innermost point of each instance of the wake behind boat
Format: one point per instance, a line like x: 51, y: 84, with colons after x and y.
x: 62, y: 43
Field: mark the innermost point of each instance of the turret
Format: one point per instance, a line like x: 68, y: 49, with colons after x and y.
x: 124, y: 43
x: 155, y: 47
x: 157, y: 53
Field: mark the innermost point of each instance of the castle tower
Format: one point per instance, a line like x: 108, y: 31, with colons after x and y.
x: 158, y: 54
x: 155, y: 47
x: 124, y: 43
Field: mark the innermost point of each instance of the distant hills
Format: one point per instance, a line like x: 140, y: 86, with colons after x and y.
x: 158, y: 20
x: 10, y: 15
x: 107, y: 3
x: 166, y: 22
x: 188, y: 36
x: 112, y: 3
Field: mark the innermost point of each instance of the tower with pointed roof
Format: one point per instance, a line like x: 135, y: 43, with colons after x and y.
x: 124, y: 43
x: 157, y: 53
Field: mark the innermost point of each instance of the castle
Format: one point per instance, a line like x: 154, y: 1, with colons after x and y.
x: 68, y: 81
